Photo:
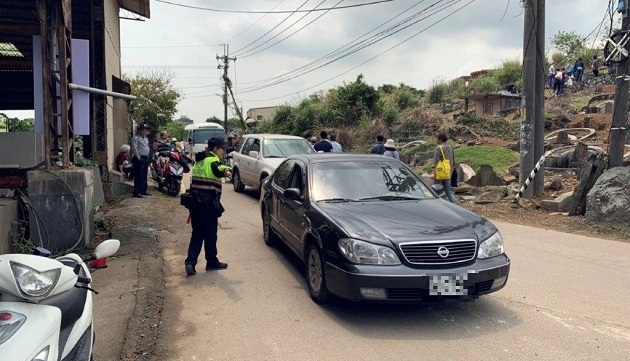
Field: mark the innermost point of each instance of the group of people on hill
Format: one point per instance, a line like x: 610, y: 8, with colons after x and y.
x: 560, y: 78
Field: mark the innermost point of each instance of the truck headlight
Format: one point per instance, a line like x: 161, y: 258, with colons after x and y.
x: 491, y: 247
x: 33, y: 283
x: 361, y: 252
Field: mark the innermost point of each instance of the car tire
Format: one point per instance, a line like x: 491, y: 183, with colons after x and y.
x: 239, y: 187
x: 315, y: 275
x: 270, y: 237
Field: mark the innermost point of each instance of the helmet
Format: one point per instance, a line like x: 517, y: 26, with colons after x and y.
x: 174, y: 140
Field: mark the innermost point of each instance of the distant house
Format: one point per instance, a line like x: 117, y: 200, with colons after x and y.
x: 263, y: 114
x: 492, y: 103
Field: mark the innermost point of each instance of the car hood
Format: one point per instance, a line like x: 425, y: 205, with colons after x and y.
x: 400, y: 221
x: 274, y: 162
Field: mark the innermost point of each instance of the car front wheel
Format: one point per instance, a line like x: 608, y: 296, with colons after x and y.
x: 316, y: 278
x: 236, y: 182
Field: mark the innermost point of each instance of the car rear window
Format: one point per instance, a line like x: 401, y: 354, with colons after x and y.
x: 360, y: 180
x: 282, y: 148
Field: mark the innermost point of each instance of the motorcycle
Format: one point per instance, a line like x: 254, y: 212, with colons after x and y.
x: 168, y: 168
x: 46, y: 305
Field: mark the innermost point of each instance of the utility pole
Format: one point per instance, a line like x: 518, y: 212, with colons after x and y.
x: 539, y: 91
x: 225, y: 59
x: 533, y: 126
x: 619, y: 126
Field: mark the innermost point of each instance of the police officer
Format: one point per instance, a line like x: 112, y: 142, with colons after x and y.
x: 206, y: 185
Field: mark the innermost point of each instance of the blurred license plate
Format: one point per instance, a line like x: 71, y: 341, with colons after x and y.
x: 447, y: 285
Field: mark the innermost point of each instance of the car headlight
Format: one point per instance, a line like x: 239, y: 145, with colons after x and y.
x: 32, y: 282
x: 361, y: 252
x: 491, y: 247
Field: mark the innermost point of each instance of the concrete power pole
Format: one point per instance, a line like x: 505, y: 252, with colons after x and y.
x: 226, y: 64
x: 619, y: 126
x: 533, y: 126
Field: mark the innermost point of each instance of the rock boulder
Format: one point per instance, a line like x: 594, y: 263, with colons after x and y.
x: 609, y: 199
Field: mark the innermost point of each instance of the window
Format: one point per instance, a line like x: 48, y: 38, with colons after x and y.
x: 255, y: 146
x: 247, y: 146
x: 282, y: 175
x: 297, y: 179
x: 259, y: 117
x: 202, y: 135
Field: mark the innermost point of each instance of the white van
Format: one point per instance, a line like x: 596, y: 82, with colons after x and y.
x: 196, y: 136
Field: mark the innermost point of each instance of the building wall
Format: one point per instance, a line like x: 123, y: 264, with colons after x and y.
x: 262, y: 114
x: 115, y: 116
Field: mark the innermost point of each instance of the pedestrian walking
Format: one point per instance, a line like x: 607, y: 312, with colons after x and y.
x: 205, y: 188
x: 336, y: 146
x: 140, y: 159
x: 444, y: 159
x: 596, y: 65
x: 390, y: 149
x: 379, y: 147
x: 579, y: 69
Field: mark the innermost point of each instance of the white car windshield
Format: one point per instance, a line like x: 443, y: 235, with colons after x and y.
x: 365, y: 181
x: 282, y: 148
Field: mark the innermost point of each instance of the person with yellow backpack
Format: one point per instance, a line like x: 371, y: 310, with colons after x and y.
x: 444, y: 165
x: 204, y: 202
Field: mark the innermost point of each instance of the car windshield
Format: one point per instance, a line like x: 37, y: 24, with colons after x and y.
x: 202, y: 135
x: 282, y: 148
x: 365, y: 181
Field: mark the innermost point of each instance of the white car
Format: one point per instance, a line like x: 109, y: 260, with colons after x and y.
x: 260, y: 155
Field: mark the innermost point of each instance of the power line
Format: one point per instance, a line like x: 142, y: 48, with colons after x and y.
x: 272, y: 29
x: 254, y: 23
x: 374, y: 57
x: 347, y: 46
x: 290, y: 35
x: 272, y: 12
x: 279, y: 81
x: 280, y: 33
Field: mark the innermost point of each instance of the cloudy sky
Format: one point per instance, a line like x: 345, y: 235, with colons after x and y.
x: 478, y: 34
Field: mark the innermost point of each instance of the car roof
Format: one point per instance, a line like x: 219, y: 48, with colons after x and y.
x: 273, y: 136
x: 339, y: 157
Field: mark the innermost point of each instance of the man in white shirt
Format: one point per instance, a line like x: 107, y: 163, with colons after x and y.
x: 335, y: 144
x: 140, y: 158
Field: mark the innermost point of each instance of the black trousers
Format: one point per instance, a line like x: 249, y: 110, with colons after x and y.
x: 140, y: 174
x: 205, y: 225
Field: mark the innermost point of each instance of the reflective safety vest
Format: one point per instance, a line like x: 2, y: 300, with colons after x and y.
x: 203, y: 178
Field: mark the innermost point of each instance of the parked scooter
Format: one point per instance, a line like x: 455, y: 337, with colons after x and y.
x: 46, y: 305
x: 168, y: 168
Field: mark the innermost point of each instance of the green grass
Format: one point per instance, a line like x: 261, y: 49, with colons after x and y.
x: 580, y: 102
x: 500, y: 158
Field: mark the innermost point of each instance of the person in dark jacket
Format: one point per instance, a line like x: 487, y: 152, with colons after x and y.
x: 206, y: 185
x: 379, y: 147
x: 324, y: 145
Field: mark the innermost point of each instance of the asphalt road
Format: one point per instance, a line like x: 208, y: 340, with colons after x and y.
x: 567, y: 298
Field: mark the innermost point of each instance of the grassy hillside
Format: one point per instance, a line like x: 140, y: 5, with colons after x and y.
x: 500, y: 158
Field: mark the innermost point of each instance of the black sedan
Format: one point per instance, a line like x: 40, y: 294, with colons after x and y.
x: 368, y: 229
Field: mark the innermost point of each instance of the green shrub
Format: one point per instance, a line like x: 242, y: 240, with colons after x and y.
x: 436, y: 93
x: 500, y: 158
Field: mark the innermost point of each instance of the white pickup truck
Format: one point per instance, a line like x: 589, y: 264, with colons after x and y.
x: 260, y: 155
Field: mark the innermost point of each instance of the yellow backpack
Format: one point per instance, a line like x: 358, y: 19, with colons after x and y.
x: 443, y: 168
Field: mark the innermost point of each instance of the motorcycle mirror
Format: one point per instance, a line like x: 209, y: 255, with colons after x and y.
x: 107, y: 248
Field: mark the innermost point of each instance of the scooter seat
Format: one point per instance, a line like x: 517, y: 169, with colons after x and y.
x: 71, y: 303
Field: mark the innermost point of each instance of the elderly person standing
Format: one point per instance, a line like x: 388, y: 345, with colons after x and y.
x: 140, y: 159
x: 390, y: 149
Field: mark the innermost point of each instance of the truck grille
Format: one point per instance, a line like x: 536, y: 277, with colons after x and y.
x: 439, y: 253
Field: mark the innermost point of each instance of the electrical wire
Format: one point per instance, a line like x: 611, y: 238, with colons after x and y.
x: 346, y: 47
x: 272, y: 29
x: 26, y: 202
x: 290, y: 35
x: 280, y: 81
x: 254, y: 23
x: 248, y: 52
x: 272, y: 12
x: 374, y: 57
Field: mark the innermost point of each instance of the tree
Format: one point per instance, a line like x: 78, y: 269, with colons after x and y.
x: 16, y: 124
x: 157, y: 99
x: 214, y: 119
x: 175, y: 129
x: 354, y: 100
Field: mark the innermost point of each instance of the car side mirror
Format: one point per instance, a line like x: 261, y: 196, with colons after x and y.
x: 253, y: 154
x: 293, y: 194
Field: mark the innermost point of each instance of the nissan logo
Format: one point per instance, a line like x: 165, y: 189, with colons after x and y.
x: 443, y: 252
